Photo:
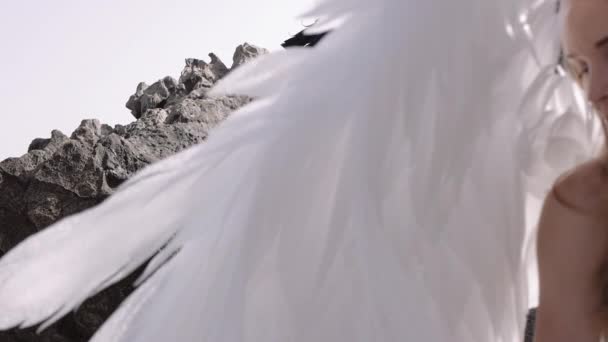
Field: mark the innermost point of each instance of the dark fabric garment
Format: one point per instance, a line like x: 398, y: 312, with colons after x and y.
x: 302, y: 39
x: 530, y: 321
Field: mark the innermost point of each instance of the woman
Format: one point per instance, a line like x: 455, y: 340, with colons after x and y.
x: 573, y: 229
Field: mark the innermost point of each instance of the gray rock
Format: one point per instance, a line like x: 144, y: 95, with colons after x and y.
x: 134, y: 103
x: 198, y: 74
x: 205, y: 112
x: 89, y: 131
x: 196, y: 78
x: 154, y: 96
x: 62, y: 175
x: 245, y: 53
x: 39, y: 151
x: 120, y: 129
x: 106, y: 130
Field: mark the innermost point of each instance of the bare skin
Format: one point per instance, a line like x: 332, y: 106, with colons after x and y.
x: 573, y: 229
x: 572, y: 254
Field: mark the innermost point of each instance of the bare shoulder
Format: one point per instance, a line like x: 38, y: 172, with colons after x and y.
x: 575, y: 215
x: 584, y: 188
x: 572, y: 246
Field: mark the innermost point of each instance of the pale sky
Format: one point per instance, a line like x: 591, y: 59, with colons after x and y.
x: 63, y: 61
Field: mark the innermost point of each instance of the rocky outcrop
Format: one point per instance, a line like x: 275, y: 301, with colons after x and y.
x: 245, y: 53
x: 197, y: 77
x: 62, y: 175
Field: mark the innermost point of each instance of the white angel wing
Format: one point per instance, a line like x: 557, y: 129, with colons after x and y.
x: 560, y: 130
x: 373, y: 192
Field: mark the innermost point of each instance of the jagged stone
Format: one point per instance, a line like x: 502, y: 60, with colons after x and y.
x: 246, y: 52
x: 155, y: 95
x: 218, y: 67
x: 62, y: 175
x: 154, y: 117
x: 106, y: 130
x: 134, y: 103
x: 199, y: 74
x: 206, y: 112
x: 88, y: 132
x: 39, y: 151
x: 120, y: 129
x: 150, y: 97
x: 48, y: 145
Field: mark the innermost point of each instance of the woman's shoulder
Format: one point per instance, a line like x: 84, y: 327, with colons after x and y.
x: 584, y: 188
x: 571, y: 251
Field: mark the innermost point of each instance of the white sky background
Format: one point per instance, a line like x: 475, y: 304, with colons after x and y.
x: 63, y: 61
